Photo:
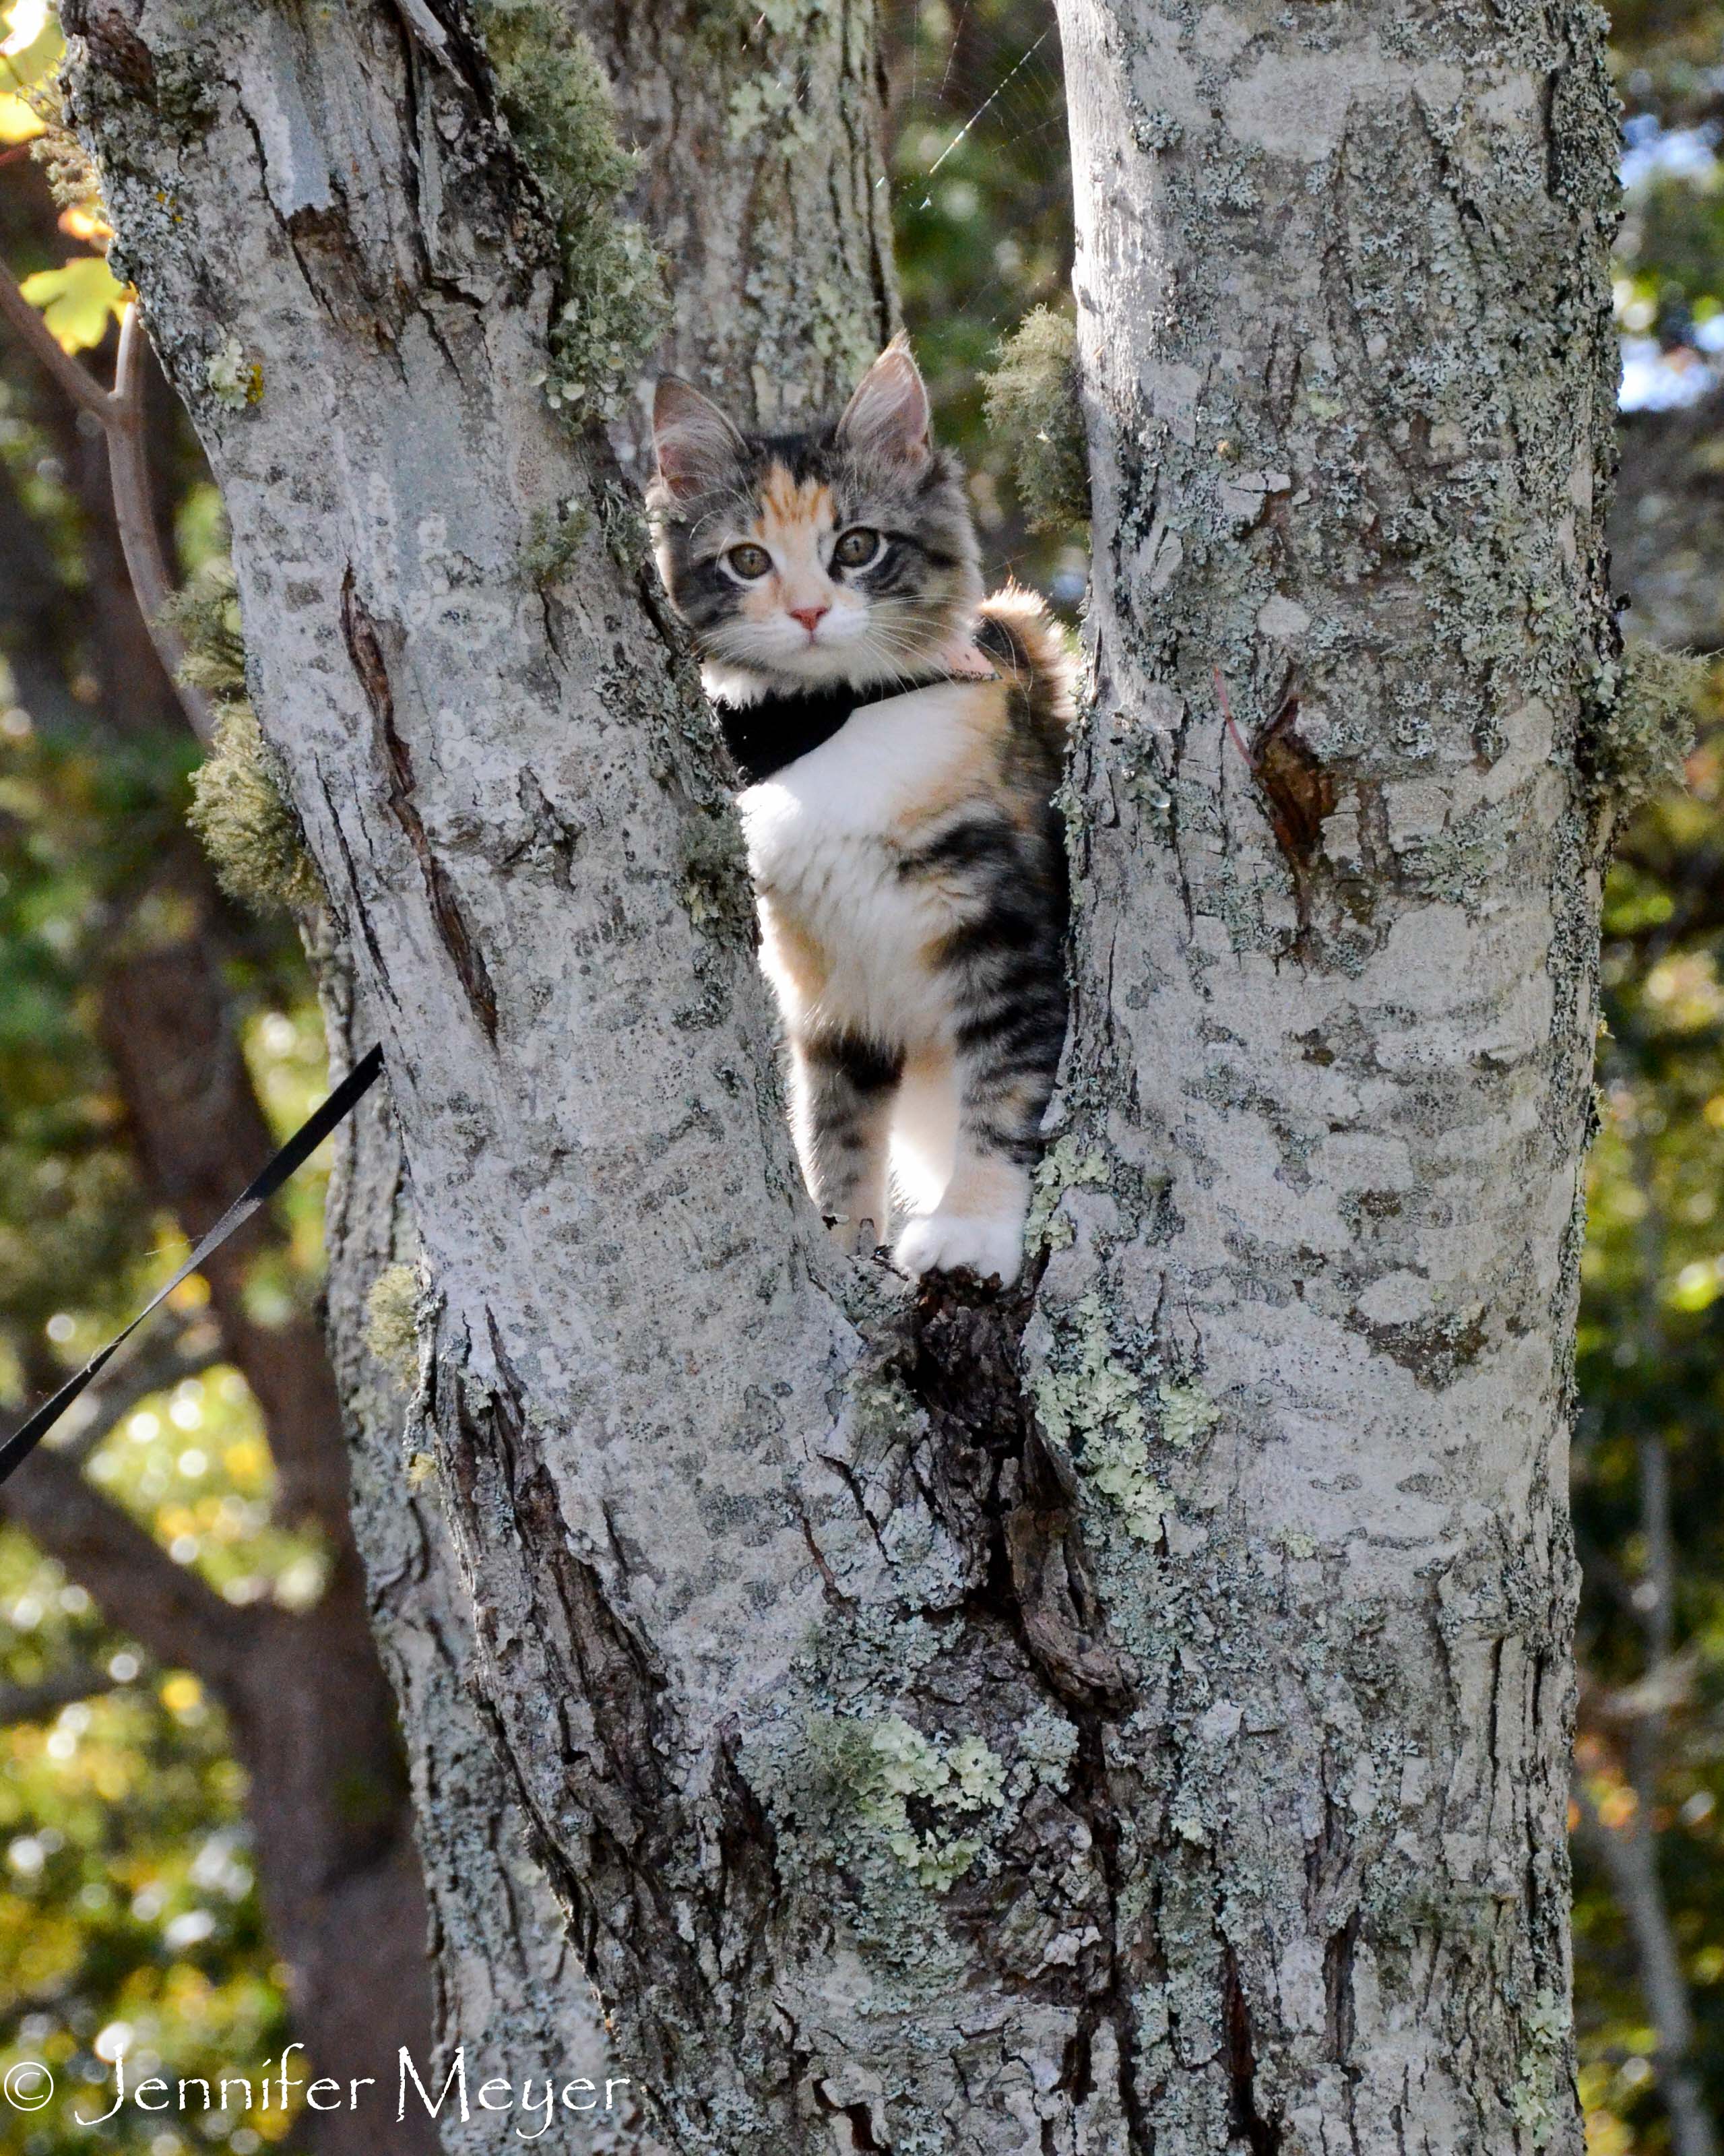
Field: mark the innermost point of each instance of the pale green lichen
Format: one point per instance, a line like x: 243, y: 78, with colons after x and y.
x: 72, y: 179
x: 234, y: 381
x: 612, y: 303
x: 1047, y: 1745
x: 554, y: 540
x: 1119, y: 1468
x: 1091, y: 1390
x: 1642, y: 723
x: 1068, y: 1163
x: 1091, y: 1403
x: 715, y: 888
x: 1186, y: 1413
x: 392, y: 1322
x: 1536, y: 2101
x: 204, y: 614
x: 1033, y: 406
x: 238, y: 810
x: 903, y: 1765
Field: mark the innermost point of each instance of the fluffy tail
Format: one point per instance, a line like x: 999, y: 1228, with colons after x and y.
x: 1016, y: 631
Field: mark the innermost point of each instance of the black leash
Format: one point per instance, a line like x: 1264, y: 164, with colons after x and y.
x: 298, y: 1150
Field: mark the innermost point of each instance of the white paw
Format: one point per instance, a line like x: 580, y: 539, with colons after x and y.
x: 948, y: 1242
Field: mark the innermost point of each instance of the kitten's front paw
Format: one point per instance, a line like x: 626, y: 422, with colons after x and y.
x: 953, y: 1242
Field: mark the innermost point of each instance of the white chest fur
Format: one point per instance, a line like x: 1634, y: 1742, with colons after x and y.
x: 844, y: 928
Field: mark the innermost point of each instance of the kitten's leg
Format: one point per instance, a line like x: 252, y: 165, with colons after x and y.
x: 1005, y: 1065
x: 841, y: 1092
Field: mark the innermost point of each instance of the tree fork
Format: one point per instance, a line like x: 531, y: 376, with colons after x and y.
x: 873, y: 1818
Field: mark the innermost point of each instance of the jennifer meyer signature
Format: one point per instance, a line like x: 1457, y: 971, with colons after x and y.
x: 28, y: 2085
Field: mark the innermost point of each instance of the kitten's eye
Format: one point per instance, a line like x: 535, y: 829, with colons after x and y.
x: 749, y: 561
x: 857, y: 547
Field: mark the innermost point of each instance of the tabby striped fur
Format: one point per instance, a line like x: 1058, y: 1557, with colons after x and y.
x: 911, y: 869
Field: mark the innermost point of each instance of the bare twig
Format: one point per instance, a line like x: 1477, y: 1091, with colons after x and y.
x: 121, y: 414
x: 1641, y: 1716
x: 151, y: 1366
x: 1628, y: 1855
x: 1658, y: 1692
x: 77, y: 382
x: 135, y: 519
x: 35, y: 1702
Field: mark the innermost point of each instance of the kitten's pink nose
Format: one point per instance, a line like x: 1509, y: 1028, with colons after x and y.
x: 809, y: 617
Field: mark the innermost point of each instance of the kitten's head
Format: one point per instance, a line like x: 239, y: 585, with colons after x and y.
x: 844, y: 554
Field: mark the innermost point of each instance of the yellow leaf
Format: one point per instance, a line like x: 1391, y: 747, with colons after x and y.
x: 76, y: 301
x: 18, y: 123
x: 33, y: 45
x: 1697, y: 1286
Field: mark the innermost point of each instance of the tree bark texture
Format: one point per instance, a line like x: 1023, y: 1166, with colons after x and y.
x: 760, y: 150
x: 508, y: 1983
x: 1130, y: 1714
x: 311, y: 1713
x: 1344, y: 331
x: 759, y: 132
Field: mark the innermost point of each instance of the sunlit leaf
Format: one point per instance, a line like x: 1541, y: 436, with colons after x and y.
x: 32, y: 47
x: 28, y: 55
x: 18, y: 123
x: 77, y: 301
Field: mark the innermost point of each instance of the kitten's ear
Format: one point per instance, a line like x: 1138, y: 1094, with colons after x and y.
x: 696, y: 444
x: 888, y: 416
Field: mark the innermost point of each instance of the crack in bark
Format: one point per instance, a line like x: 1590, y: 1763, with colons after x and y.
x: 964, y: 1370
x: 364, y: 649
x: 1262, y: 2136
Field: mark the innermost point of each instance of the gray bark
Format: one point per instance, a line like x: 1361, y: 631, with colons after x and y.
x: 508, y: 1988
x: 1343, y: 323
x: 1169, y: 1752
x: 763, y: 180
x: 782, y: 292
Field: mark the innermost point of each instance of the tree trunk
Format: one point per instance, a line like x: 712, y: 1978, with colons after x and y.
x: 1171, y: 1753
x: 761, y: 178
x: 509, y: 1989
x: 1344, y: 329
x: 792, y: 296
x: 310, y: 1710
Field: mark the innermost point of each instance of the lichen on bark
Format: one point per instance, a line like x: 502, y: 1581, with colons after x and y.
x: 1034, y: 408
x: 1257, y: 1628
x: 1344, y: 342
x: 612, y: 303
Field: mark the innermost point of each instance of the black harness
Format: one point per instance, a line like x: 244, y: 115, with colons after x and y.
x: 765, y: 736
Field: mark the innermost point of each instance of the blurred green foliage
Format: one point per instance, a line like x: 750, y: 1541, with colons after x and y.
x: 127, y: 1909
x: 982, y: 216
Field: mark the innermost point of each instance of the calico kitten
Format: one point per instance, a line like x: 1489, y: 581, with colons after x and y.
x: 900, y: 739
